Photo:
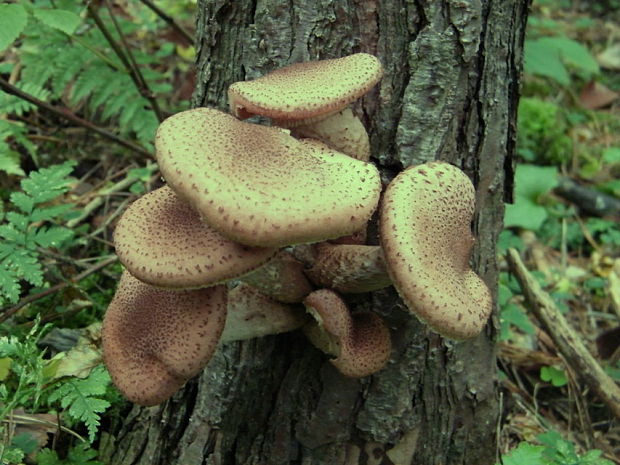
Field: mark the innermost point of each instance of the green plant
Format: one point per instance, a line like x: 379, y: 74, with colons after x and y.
x: 554, y: 450
x: 32, y: 383
x: 29, y: 227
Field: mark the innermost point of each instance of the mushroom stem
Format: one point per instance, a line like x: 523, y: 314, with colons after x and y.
x: 349, y: 269
x: 252, y: 314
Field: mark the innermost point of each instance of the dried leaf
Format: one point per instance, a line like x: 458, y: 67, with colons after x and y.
x: 595, y: 95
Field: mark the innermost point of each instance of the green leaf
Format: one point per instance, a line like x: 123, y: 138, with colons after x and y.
x: 5, y: 367
x: 52, y: 237
x: 553, y: 375
x: 542, y: 60
x: 81, y: 397
x: 525, y: 454
x: 62, y: 20
x: 10, y: 162
x: 9, y: 286
x: 49, y: 213
x: 611, y: 155
x: 573, y: 53
x: 512, y: 314
x: 13, y: 19
x: 22, y: 201
x: 48, y: 183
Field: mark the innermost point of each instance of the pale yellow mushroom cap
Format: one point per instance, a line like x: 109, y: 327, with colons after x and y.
x: 306, y: 90
x: 154, y: 340
x: 426, y: 237
x: 360, y: 342
x: 258, y: 185
x: 163, y: 242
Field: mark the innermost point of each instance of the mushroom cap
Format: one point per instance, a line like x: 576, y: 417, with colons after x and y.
x: 360, y: 342
x: 154, y: 340
x: 253, y: 314
x: 427, y: 240
x: 312, y: 89
x: 349, y: 268
x: 258, y: 185
x: 342, y: 131
x: 163, y: 242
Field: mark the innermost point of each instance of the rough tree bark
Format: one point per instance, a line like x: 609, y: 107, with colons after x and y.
x: 450, y: 92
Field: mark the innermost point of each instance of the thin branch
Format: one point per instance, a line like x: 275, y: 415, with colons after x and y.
x: 565, y: 338
x: 134, y: 72
x: 69, y: 115
x: 58, y: 287
x: 171, y: 22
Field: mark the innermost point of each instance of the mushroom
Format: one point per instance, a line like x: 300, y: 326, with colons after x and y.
x: 154, y: 340
x: 427, y: 241
x: 163, y: 242
x: 302, y: 91
x: 282, y: 278
x: 360, y: 343
x: 253, y: 314
x: 258, y: 185
x: 348, y: 268
x: 312, y: 98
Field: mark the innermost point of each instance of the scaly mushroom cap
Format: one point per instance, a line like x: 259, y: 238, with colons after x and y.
x: 349, y: 268
x: 258, y: 185
x: 300, y: 91
x: 253, y: 314
x: 163, y: 242
x: 342, y: 131
x: 154, y: 340
x: 426, y: 237
x: 361, y: 343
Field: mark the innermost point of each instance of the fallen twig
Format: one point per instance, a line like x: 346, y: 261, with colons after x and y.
x: 69, y: 115
x: 564, y: 337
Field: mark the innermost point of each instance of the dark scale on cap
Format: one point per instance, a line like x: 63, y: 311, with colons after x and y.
x: 163, y: 242
x: 430, y: 265
x: 237, y: 161
x: 154, y: 340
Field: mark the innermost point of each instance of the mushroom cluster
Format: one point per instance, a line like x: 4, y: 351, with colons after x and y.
x: 257, y: 222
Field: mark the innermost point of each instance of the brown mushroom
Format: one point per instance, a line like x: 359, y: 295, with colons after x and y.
x: 360, y: 343
x: 303, y: 91
x: 163, y: 242
x: 154, y: 340
x: 258, y: 185
x: 425, y: 230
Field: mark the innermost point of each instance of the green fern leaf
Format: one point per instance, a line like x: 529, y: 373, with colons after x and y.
x: 52, y: 237
x: 48, y: 183
x: 63, y: 20
x: 26, y: 265
x: 82, y: 398
x: 18, y: 220
x: 13, y: 19
x: 9, y: 284
x: 22, y: 201
x: 11, y: 234
x: 49, y: 213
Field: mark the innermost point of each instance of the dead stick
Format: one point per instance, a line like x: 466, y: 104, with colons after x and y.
x: 39, y: 295
x: 69, y: 115
x: 564, y: 337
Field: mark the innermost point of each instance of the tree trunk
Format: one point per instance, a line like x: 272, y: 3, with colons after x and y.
x: 449, y: 92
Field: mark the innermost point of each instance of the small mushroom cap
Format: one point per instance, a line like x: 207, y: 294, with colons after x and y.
x: 426, y: 237
x: 349, y: 268
x: 342, y: 131
x: 253, y: 314
x: 312, y: 89
x: 154, y: 340
x: 163, y: 242
x: 360, y: 342
x: 258, y: 185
